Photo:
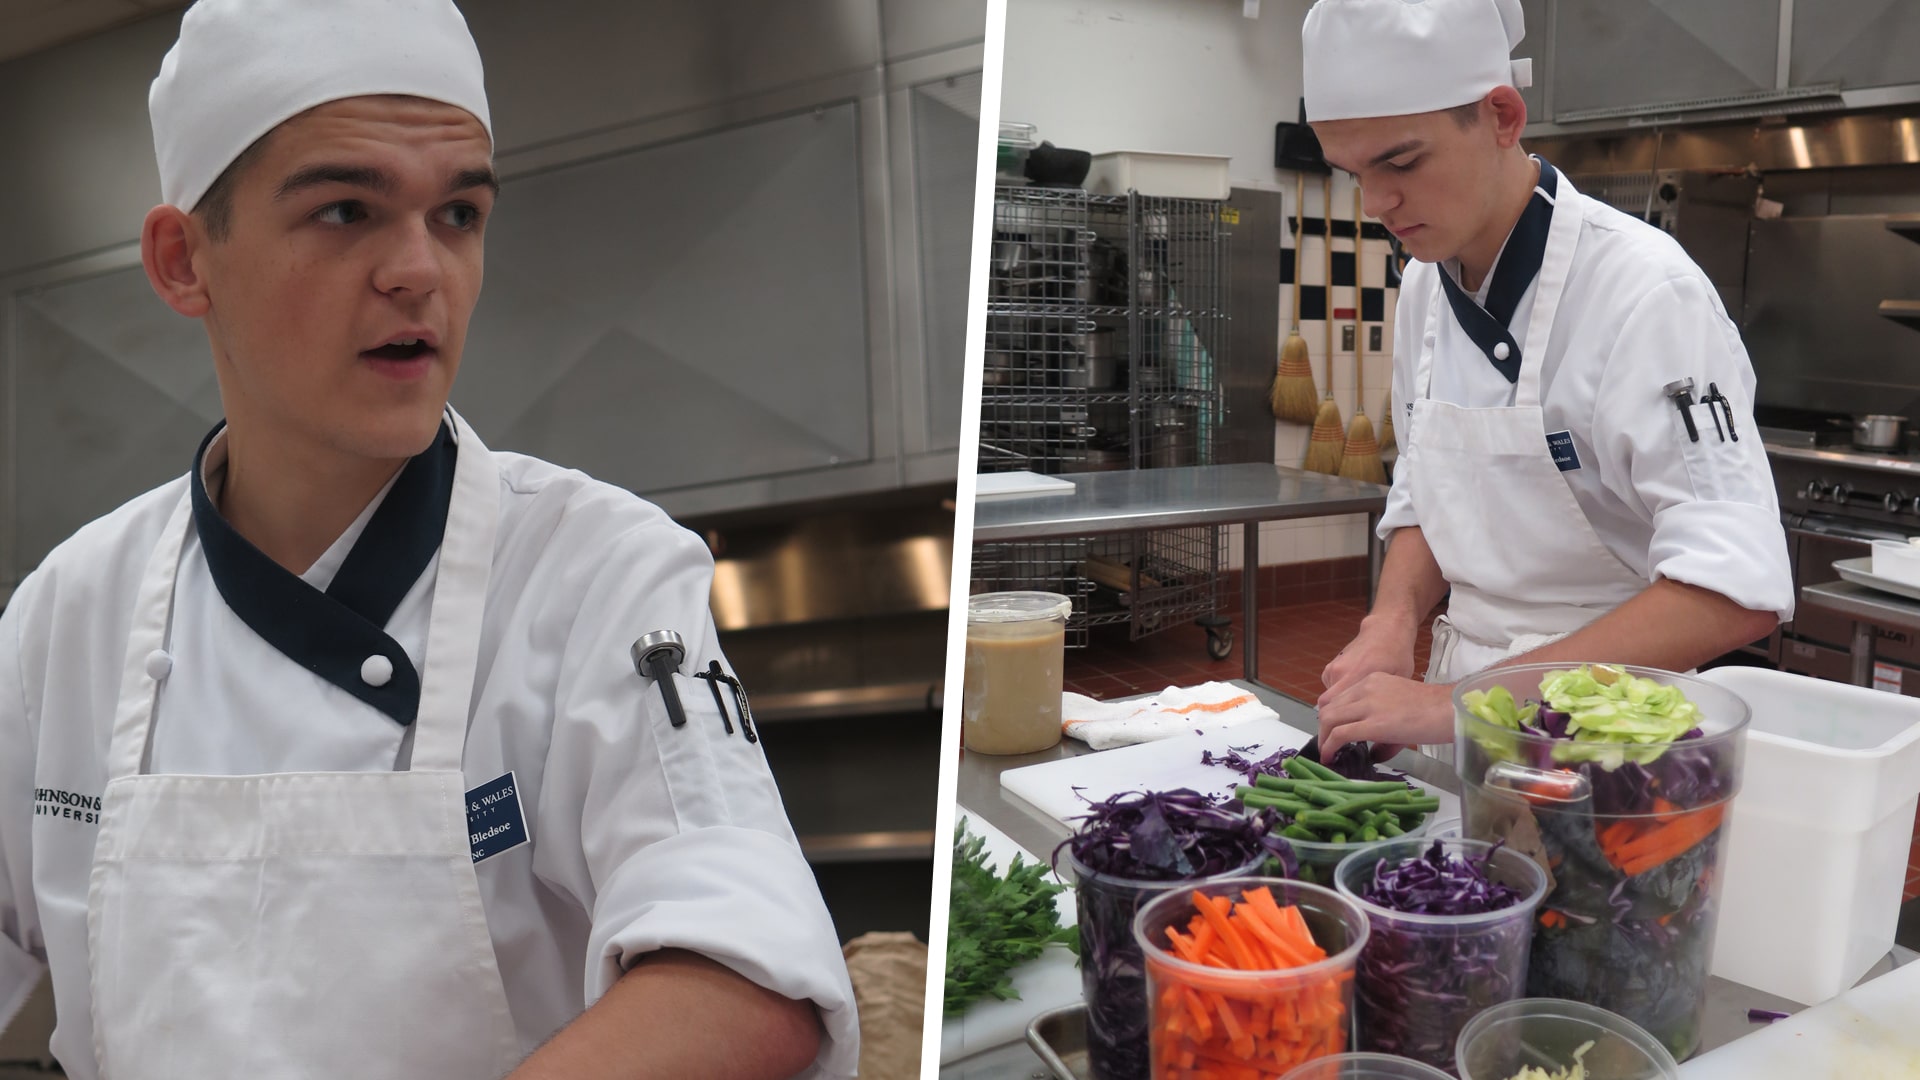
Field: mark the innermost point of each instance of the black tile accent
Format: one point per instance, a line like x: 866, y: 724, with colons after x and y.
x: 1343, y: 268
x: 1343, y: 229
x: 1313, y: 302
x: 1373, y: 305
x: 1286, y: 266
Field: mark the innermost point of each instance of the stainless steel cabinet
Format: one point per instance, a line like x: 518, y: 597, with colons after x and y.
x: 1855, y: 43
x: 681, y: 315
x: 1618, y: 54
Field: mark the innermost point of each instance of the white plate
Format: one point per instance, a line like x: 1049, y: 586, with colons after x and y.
x: 1860, y: 572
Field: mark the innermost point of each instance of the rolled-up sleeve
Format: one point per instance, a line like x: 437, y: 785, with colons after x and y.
x: 683, y: 836
x: 20, y: 966
x: 1715, y: 515
x: 1407, y: 342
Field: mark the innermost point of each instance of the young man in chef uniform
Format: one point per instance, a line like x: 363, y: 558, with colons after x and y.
x: 1546, y: 480
x: 329, y: 759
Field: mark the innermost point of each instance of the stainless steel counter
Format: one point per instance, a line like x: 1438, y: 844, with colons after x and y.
x: 1245, y: 495
x: 979, y: 791
x: 1867, y: 608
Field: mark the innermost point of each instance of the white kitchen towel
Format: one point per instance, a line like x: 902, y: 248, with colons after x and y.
x: 1177, y: 710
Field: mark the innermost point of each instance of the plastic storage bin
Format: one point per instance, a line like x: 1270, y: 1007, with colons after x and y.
x: 1544, y: 1033
x: 1897, y: 561
x: 1422, y: 977
x: 1821, y: 833
x: 1632, y: 836
x: 1316, y: 1000
x: 1171, y: 176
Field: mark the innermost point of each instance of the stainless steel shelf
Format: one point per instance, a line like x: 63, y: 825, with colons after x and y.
x: 868, y: 846
x: 907, y: 697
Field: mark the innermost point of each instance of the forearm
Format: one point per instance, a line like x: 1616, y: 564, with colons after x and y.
x: 679, y: 1015
x: 1667, y: 625
x: 1410, y: 582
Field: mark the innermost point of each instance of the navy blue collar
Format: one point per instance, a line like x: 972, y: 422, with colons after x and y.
x: 1519, y: 264
x: 333, y: 633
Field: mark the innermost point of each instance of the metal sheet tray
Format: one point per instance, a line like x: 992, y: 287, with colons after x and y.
x: 1860, y: 572
x: 1059, y: 1036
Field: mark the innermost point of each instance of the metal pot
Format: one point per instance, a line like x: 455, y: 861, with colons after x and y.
x: 1878, y: 432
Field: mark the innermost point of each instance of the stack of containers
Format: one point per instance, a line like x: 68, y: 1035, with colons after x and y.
x: 1631, y: 837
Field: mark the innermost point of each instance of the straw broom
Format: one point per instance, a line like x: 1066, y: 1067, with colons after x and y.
x: 1386, y: 423
x: 1362, y: 459
x: 1293, y: 391
x: 1328, y: 442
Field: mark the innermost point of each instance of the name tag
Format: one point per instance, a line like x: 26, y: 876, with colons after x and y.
x: 1560, y: 445
x: 494, y: 821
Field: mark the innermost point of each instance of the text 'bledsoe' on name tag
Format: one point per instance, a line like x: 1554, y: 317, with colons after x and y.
x: 495, y: 822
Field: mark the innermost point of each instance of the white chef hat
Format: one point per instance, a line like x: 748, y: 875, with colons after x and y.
x: 1365, y: 58
x: 242, y: 67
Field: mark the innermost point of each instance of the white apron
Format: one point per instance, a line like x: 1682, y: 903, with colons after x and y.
x: 320, y: 925
x: 1524, y: 564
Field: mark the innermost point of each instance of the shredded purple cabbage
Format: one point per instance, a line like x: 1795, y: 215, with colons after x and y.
x: 1238, y: 759
x: 1148, y: 839
x: 1765, y: 1016
x: 1418, y: 985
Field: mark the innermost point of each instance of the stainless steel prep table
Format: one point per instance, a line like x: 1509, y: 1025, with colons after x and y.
x: 1244, y: 495
x: 978, y: 790
x: 1867, y: 608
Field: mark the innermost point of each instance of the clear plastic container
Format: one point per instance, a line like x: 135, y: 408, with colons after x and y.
x: 1113, y: 977
x: 1632, y: 838
x: 1197, y: 1011
x: 1544, y: 1033
x: 1365, y: 1067
x: 1016, y: 663
x: 1319, y: 860
x: 1421, y: 978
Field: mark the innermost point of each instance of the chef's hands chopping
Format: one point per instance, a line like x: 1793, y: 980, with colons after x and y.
x: 1385, y: 709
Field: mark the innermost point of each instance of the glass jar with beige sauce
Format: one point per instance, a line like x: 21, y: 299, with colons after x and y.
x: 1016, y: 657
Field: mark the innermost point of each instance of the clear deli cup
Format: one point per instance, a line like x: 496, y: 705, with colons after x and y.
x: 1545, y: 1033
x: 1016, y: 660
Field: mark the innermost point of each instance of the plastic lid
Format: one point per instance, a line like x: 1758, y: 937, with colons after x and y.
x: 1016, y: 607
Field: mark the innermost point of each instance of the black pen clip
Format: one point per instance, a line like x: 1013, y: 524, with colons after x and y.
x: 715, y: 675
x: 1714, y: 394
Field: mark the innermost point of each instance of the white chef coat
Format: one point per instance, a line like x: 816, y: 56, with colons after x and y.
x: 642, y: 836
x: 1637, y: 314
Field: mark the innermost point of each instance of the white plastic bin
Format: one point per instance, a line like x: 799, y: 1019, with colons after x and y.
x: 1818, y: 842
x: 1170, y: 176
x: 1897, y: 561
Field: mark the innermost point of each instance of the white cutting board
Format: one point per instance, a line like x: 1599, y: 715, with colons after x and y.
x: 1050, y: 982
x: 1009, y: 485
x: 1061, y: 789
x: 1871, y: 1032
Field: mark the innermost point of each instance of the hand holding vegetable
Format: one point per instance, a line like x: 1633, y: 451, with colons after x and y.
x: 1386, y: 708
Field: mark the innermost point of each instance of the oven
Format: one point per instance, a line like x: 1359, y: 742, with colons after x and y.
x: 1834, y: 505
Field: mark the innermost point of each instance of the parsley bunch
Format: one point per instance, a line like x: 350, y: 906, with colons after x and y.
x: 995, y: 923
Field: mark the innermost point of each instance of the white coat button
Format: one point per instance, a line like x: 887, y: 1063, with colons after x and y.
x: 1500, y: 351
x: 377, y: 670
x: 159, y: 665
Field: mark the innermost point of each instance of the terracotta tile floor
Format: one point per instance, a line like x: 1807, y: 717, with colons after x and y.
x: 1297, y: 640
